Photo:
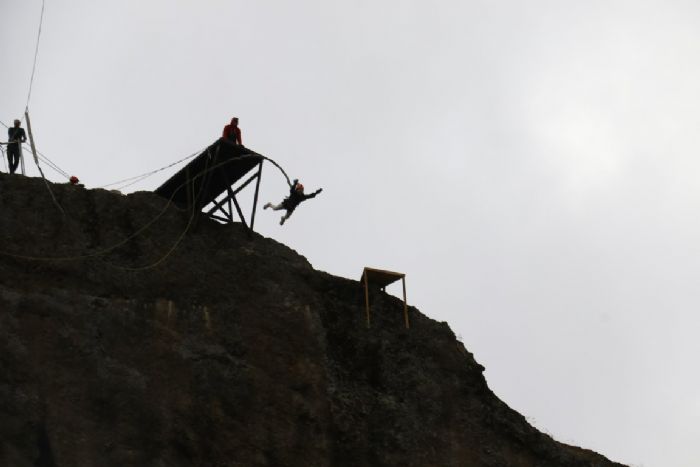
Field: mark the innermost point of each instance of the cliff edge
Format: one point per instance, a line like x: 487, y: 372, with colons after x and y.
x: 231, y: 351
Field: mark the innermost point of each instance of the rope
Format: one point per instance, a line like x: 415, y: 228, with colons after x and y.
x: 36, y: 54
x: 152, y: 172
x: 138, y: 178
x: 130, y: 237
x: 170, y: 251
x: 45, y: 159
x: 279, y: 167
x: 271, y: 161
x: 48, y: 187
x: 180, y: 237
x: 53, y: 166
x: 98, y: 252
x: 36, y: 161
x: 192, y: 216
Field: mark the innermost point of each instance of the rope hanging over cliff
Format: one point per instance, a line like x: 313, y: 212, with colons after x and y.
x: 139, y: 178
x: 138, y: 232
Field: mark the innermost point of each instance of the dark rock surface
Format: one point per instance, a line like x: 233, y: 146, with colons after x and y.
x: 231, y: 352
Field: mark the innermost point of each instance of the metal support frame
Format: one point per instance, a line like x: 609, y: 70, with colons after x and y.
x: 223, y: 208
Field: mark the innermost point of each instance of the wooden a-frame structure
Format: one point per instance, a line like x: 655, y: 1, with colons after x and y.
x: 383, y: 278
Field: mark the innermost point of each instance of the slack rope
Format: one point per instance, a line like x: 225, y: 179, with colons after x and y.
x: 138, y: 232
x: 179, y: 238
x: 36, y: 161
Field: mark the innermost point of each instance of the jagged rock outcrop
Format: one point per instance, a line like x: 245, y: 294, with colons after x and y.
x: 233, y: 351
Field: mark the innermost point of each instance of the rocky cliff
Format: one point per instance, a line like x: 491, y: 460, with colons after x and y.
x: 232, y: 351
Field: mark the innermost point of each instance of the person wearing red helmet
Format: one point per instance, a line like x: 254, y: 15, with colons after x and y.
x: 290, y: 203
x: 232, y: 133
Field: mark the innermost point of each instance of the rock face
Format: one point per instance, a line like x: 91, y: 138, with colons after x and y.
x: 232, y: 351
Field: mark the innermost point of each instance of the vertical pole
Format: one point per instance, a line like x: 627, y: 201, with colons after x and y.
x: 240, y: 213
x: 4, y: 160
x: 405, y: 307
x: 188, y: 188
x: 366, y: 294
x: 255, y: 199
x: 36, y: 161
x: 31, y: 141
x: 21, y: 158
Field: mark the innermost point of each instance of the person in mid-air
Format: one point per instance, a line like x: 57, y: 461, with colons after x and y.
x: 290, y: 203
x: 15, y: 137
x: 232, y: 133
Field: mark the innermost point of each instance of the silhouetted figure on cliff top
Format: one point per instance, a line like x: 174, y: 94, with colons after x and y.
x: 15, y: 137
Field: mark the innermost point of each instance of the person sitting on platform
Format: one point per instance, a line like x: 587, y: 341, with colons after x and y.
x: 15, y: 137
x: 290, y: 203
x: 232, y: 133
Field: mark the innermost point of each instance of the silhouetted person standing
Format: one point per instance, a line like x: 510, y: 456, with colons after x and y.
x: 15, y: 138
x: 232, y: 133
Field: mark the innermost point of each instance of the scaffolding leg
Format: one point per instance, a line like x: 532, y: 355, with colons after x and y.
x: 255, y: 198
x: 405, y: 307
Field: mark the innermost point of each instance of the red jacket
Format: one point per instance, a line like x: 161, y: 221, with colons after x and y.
x: 233, y: 133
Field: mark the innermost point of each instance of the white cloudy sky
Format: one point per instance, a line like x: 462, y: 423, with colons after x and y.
x: 531, y: 166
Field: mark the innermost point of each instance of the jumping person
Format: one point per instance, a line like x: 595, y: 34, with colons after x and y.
x: 290, y: 203
x: 15, y: 137
x: 232, y: 133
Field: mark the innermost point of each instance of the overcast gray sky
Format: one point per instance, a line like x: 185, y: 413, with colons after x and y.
x: 531, y: 166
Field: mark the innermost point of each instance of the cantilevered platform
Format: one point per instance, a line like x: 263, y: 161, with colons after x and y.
x: 209, y: 179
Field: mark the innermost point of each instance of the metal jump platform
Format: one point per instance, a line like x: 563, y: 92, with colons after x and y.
x: 208, y: 182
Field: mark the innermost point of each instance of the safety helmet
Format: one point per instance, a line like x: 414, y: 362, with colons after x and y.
x: 299, y: 187
x: 74, y: 180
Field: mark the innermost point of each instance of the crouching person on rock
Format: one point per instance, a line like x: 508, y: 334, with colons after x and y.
x: 290, y: 203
